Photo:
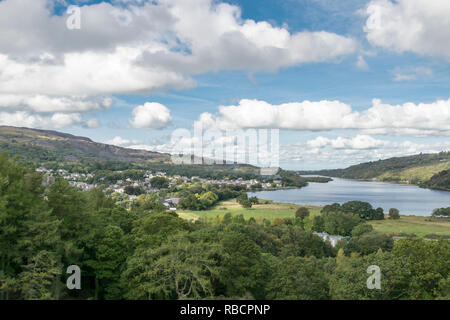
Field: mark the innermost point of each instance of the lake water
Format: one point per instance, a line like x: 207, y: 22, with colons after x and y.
x: 410, y: 200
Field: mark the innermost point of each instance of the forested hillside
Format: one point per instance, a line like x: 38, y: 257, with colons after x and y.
x: 440, y: 180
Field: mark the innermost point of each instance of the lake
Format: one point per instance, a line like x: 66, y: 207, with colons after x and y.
x: 410, y: 200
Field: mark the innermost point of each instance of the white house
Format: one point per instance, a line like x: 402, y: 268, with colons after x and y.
x: 333, y: 239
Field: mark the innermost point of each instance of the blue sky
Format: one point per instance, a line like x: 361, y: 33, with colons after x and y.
x: 394, y: 70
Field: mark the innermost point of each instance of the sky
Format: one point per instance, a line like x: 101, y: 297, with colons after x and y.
x: 342, y: 82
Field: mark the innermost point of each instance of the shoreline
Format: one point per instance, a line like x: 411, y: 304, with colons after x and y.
x: 383, y: 194
x: 403, y: 183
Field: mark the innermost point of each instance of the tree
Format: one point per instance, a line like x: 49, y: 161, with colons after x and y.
x: 238, y: 219
x: 178, y: 269
x: 363, y: 209
x: 254, y: 200
x: 159, y: 182
x: 370, y: 242
x: 378, y: 214
x: 331, y: 208
x: 394, y: 214
x: 134, y: 190
x: 149, y: 202
x: 71, y: 206
x: 244, y: 201
x: 208, y: 199
x: 302, y: 213
x: 109, y: 254
x: 97, y: 199
x: 120, y: 217
x: 38, y: 276
x: 349, y: 279
x: 441, y: 213
x: 429, y: 262
x: 243, y: 268
x: 297, y: 278
x: 26, y: 224
x: 361, y: 229
x: 227, y: 218
x: 318, y: 224
x: 339, y: 222
x: 191, y: 202
x: 299, y: 243
x: 152, y: 230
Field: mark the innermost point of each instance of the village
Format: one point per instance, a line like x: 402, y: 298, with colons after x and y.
x: 82, y: 182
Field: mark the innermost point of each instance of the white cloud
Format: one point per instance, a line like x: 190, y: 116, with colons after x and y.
x: 134, y: 46
x: 26, y: 119
x: 360, y: 142
x: 93, y: 124
x: 44, y: 104
x: 318, y: 142
x: 151, y: 115
x: 323, y: 152
x: 419, y: 26
x: 362, y: 64
x: 422, y: 118
x: 306, y: 115
x: 88, y: 73
x: 405, y: 119
x: 160, y: 46
x: 404, y: 77
x: 119, y: 141
x: 409, y: 74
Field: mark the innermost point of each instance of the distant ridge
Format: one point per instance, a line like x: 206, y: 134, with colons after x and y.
x: 48, y: 132
x: 38, y: 146
x: 48, y: 145
x: 427, y: 170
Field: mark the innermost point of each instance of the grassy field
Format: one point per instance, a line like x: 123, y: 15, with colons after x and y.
x: 267, y: 210
x: 419, y: 226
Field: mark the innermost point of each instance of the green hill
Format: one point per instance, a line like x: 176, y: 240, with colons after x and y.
x: 428, y: 170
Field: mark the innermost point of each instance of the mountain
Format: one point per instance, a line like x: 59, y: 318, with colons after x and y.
x: 53, y: 149
x: 422, y: 169
x: 45, y: 145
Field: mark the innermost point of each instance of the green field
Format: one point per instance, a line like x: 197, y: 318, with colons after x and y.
x: 268, y: 210
x: 420, y: 226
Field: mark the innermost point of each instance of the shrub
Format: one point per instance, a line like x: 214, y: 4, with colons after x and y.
x: 441, y: 213
x: 394, y: 214
x: 361, y: 229
x: 302, y: 213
